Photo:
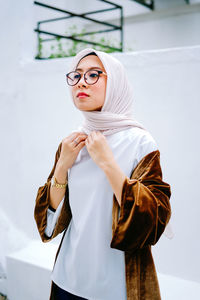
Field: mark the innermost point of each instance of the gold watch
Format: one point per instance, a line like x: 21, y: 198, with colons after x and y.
x: 55, y: 183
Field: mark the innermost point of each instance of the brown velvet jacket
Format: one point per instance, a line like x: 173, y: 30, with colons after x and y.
x: 144, y: 213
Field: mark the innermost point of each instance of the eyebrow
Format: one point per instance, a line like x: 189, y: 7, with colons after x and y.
x: 78, y: 69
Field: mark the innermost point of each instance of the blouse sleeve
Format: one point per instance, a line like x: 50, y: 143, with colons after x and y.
x: 52, y: 218
x: 145, y: 208
x: 62, y: 217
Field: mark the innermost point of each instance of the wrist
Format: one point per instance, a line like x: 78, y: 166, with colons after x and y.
x: 109, y: 166
x: 61, y: 167
x: 61, y: 172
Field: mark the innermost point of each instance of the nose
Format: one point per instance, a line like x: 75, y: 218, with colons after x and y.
x: 82, y: 82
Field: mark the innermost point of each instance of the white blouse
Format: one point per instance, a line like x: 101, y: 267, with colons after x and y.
x: 86, y: 264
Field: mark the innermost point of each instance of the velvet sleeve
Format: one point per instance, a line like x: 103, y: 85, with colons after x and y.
x: 42, y: 204
x: 145, y: 207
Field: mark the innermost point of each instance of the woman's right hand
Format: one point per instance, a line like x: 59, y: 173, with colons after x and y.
x: 70, y: 149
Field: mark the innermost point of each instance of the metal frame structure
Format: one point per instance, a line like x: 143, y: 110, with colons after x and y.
x: 84, y: 16
x: 151, y: 3
x: 147, y: 3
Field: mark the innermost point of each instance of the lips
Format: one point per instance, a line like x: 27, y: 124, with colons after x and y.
x: 81, y: 95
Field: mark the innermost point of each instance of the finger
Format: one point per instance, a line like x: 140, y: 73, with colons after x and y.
x: 82, y: 135
x: 87, y: 142
x: 75, y: 141
x: 71, y: 137
x: 98, y: 133
x: 75, y: 134
x: 77, y: 137
x: 89, y: 139
x: 80, y: 145
x: 67, y: 140
x: 81, y: 132
x: 93, y: 135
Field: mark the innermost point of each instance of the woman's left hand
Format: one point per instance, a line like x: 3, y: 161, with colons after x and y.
x: 99, y: 149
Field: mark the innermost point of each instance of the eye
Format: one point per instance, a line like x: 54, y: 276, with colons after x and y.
x: 77, y: 76
x: 93, y: 74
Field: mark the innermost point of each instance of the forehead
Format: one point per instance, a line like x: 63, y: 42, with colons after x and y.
x: 90, y: 62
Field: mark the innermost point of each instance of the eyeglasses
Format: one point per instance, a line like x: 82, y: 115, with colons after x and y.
x: 90, y: 77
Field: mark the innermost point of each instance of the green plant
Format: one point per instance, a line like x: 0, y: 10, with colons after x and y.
x: 39, y: 55
x: 72, y: 47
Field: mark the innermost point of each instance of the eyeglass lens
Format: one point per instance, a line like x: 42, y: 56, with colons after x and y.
x: 90, y: 76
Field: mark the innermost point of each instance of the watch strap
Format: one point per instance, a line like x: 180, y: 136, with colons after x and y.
x: 57, y: 184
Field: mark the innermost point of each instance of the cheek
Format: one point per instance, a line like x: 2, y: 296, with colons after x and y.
x: 101, y: 90
x: 73, y: 93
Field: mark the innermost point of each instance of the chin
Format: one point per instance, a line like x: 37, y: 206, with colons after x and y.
x: 89, y: 109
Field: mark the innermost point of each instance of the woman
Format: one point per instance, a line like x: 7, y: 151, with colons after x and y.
x: 105, y: 192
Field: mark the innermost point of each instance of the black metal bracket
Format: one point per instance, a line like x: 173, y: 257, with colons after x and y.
x: 150, y: 3
x: 147, y: 3
x: 84, y: 16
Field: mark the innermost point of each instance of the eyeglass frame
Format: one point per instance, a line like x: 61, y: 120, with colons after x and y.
x: 99, y: 72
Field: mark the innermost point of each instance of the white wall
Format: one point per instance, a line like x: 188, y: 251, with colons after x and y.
x: 173, y: 27
x: 172, y: 24
x: 36, y: 113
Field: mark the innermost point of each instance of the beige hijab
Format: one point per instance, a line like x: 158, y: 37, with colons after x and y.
x: 116, y: 113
